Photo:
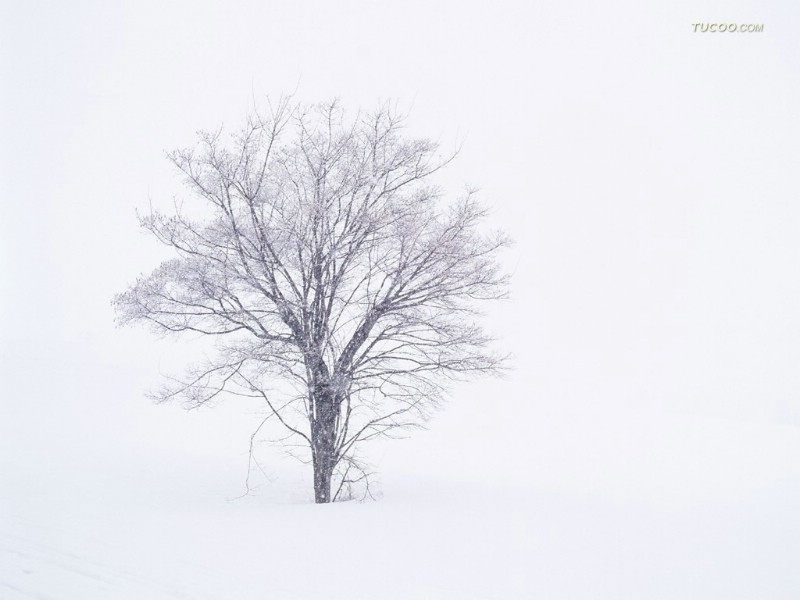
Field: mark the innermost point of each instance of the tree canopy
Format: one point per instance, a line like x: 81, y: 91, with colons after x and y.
x: 341, y: 287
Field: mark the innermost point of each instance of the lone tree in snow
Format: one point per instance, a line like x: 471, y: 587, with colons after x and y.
x: 340, y: 289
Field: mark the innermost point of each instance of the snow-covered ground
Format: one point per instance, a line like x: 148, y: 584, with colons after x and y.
x: 545, y: 504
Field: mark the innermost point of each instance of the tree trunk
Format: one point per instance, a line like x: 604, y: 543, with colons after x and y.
x: 323, y: 437
x: 322, y: 483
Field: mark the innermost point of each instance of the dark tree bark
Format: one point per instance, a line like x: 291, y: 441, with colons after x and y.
x: 323, y: 447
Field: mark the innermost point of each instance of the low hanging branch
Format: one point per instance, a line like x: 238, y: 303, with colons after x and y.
x: 324, y: 260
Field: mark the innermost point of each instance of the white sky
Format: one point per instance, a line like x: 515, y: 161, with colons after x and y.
x: 648, y: 174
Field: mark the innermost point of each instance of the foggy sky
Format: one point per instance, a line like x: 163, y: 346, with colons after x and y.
x: 647, y: 173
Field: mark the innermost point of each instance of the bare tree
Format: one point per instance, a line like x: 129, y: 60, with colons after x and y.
x: 341, y: 288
